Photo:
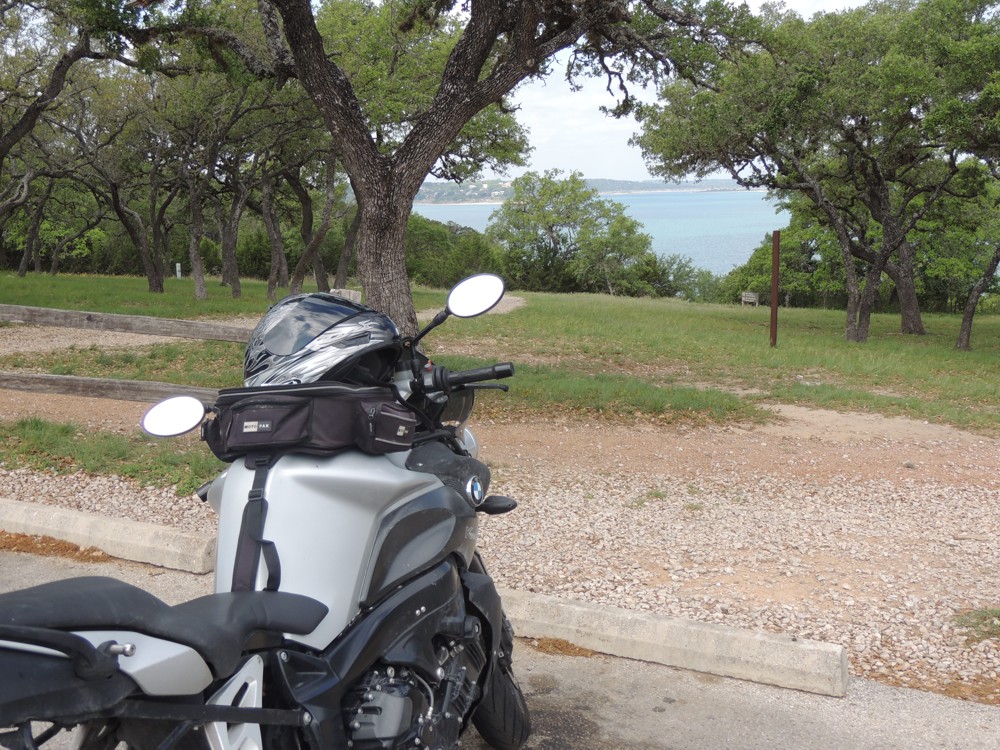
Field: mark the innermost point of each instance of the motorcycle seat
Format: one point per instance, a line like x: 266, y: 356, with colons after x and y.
x: 216, y: 625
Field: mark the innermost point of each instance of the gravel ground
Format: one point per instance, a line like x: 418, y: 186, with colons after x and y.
x: 870, y: 532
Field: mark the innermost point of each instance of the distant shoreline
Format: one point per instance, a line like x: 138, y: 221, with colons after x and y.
x: 458, y: 203
x: 717, y: 229
x: 609, y: 193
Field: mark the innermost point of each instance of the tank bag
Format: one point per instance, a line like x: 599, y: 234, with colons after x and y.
x: 318, y: 418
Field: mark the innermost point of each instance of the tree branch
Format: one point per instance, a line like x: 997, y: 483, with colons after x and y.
x: 57, y: 81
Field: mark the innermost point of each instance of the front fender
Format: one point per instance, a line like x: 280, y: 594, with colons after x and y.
x: 483, y: 595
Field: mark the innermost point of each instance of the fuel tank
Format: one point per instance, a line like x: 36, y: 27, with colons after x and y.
x: 347, y: 529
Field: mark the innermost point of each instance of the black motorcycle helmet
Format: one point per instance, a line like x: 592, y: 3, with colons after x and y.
x: 310, y: 337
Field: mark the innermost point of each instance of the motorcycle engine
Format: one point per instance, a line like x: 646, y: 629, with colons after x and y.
x: 394, y: 708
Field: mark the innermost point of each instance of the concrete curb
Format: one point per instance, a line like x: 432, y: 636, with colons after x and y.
x: 768, y: 658
x: 129, y: 540
x: 757, y: 656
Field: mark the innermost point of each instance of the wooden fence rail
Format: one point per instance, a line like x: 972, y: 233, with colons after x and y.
x: 189, y: 329
x: 121, y: 390
x: 146, y: 391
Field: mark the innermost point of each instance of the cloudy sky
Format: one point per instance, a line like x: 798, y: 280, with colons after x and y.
x: 568, y: 131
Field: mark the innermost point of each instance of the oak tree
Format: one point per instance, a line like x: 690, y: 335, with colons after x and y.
x: 839, y: 109
x: 493, y: 46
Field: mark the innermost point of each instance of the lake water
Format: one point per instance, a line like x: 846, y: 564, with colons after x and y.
x: 717, y: 229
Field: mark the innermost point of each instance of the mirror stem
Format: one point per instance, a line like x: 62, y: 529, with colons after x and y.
x: 440, y: 318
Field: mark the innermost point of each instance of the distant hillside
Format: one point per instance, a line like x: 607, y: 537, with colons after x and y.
x: 497, y: 191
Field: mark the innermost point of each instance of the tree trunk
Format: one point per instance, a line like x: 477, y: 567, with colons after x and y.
x: 381, y: 258
x: 230, y: 264
x: 137, y: 232
x: 873, y: 279
x: 229, y: 225
x: 853, y: 294
x: 161, y: 232
x: 31, y: 256
x: 33, y: 243
x: 853, y: 303
x: 909, y: 306
x: 344, y: 264
x: 22, y: 268
x: 54, y: 263
x: 314, y: 238
x: 156, y: 254
x: 277, y: 242
x: 866, y: 304
x: 319, y: 273
x: 965, y: 332
x: 57, y: 250
x: 15, y: 195
x: 197, y: 232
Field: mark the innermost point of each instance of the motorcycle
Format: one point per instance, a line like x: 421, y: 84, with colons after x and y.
x: 351, y: 608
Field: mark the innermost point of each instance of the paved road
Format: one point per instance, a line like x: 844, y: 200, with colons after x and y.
x: 600, y: 703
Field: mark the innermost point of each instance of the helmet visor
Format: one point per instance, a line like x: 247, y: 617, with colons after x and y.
x: 306, y: 320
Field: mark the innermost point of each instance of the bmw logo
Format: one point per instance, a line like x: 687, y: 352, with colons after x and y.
x: 474, y: 491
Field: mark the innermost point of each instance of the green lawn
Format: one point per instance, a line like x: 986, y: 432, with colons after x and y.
x: 664, y: 360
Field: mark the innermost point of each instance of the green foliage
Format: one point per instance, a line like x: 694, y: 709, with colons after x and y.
x: 442, y: 254
x: 395, y: 69
x: 560, y: 235
x: 253, y: 252
x: 211, y: 255
x: 857, y: 113
x: 810, y: 269
x: 537, y: 228
x: 954, y: 241
x: 612, y: 253
x: 427, y: 242
x: 952, y: 244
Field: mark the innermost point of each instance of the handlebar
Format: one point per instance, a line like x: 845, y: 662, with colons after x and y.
x: 494, y: 372
x: 441, y: 379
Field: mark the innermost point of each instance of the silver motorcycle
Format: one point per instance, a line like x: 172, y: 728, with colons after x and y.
x: 351, y: 608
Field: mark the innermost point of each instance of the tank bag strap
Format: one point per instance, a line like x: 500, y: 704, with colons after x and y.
x: 251, y: 544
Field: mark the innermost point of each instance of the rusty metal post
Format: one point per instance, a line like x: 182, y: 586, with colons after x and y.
x: 775, y: 247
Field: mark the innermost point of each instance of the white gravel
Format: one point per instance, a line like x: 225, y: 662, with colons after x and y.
x: 880, y: 568
x: 875, y: 534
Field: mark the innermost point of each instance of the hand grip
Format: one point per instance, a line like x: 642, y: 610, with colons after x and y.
x: 494, y: 372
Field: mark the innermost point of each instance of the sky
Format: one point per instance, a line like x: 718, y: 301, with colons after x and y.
x: 569, y: 132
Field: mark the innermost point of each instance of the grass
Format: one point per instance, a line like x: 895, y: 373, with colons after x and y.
x: 63, y: 448
x: 611, y: 357
x: 129, y: 295
x: 724, y: 350
x: 208, y: 364
x: 587, y: 356
x: 981, y: 624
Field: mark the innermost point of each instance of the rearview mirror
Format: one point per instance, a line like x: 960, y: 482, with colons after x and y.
x: 173, y: 417
x: 475, y: 295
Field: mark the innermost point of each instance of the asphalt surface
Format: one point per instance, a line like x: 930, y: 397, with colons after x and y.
x: 600, y: 702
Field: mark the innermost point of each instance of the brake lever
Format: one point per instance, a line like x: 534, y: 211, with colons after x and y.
x: 486, y: 387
